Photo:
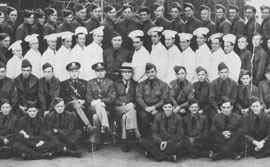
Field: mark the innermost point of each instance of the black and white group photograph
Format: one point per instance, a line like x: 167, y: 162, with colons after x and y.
x: 134, y: 83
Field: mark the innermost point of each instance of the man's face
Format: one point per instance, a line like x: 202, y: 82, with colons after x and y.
x: 233, y: 13
x: 81, y: 39
x: 3, y: 72
x: 169, y: 42
x: 117, y: 42
x: 256, y: 107
x: 200, y: 40
x: 13, y: 16
x: 127, y: 13
x: 194, y: 108
x: 96, y: 13
x: 48, y: 73
x: 81, y: 14
x: 60, y: 107
x: 98, y: 38
x: 6, y: 42
x: 137, y: 43
x: 224, y: 73
x: 245, y: 79
x: 67, y: 42
x: 242, y: 43
x: 184, y: 44
x: 69, y: 19
x: 159, y: 12
x: 52, y: 44
x: 226, y: 108
x: 265, y: 14
x: 34, y: 45
x: 219, y: 14
x: 267, y: 76
x: 151, y: 74
x: 5, y: 108
x: 32, y: 112
x: 181, y: 75
x: 249, y: 14
x: 26, y: 72
x: 215, y: 44
x: 155, y: 37
x: 53, y: 17
x: 74, y: 74
x: 100, y: 73
x: 256, y: 40
x: 17, y: 52
x: 175, y: 13
x: 126, y: 75
x: 41, y: 20
x: 30, y: 20
x: 228, y: 47
x: 111, y: 14
x: 201, y: 76
x: 205, y: 15
x: 188, y: 12
x: 144, y: 16
x: 2, y: 18
x: 168, y: 109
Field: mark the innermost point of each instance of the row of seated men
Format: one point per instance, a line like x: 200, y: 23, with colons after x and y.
x: 94, y: 101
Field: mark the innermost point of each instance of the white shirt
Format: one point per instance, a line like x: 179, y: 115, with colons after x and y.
x: 204, y: 57
x: 48, y: 57
x: 189, y: 62
x: 175, y: 57
x: 94, y: 55
x: 233, y: 62
x: 61, y: 60
x: 34, y: 57
x: 160, y: 60
x: 218, y: 56
x: 78, y: 54
x: 139, y: 59
x: 14, y: 67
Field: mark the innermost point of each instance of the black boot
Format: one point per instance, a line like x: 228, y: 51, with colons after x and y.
x: 125, y: 147
x: 72, y: 153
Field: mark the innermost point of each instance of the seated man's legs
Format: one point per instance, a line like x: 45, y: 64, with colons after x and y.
x: 144, y: 122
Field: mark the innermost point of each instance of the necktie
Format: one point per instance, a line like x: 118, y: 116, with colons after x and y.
x: 48, y: 86
x: 75, y: 83
x: 25, y: 84
x: 193, y: 122
x: 200, y: 87
x: 99, y: 82
x: 115, y: 52
x: 166, y: 123
x: 257, y: 122
x: 151, y: 84
x: 60, y: 119
x: 222, y: 87
x: 31, y: 122
x: 4, y: 121
x: 226, y: 120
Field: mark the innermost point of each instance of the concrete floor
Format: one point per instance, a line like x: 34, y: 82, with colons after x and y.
x: 114, y: 157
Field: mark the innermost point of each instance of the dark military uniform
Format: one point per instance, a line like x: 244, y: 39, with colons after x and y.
x: 238, y: 27
x: 4, y: 55
x: 264, y: 87
x: 49, y: 28
x: 169, y: 129
x: 223, y: 26
x: 90, y: 25
x: 221, y: 123
x: 113, y: 58
x: 259, y: 61
x: 257, y: 128
x: 178, y: 25
x: 9, y: 28
x: 220, y: 88
x: 36, y: 129
x: 27, y: 90
x: 63, y: 27
x: 265, y: 28
x: 8, y: 91
x: 77, y: 22
x: 22, y: 31
x: 210, y: 25
x: 124, y: 27
x: 244, y: 93
x: 47, y: 92
x: 147, y: 42
x: 109, y: 29
x: 38, y: 29
x: 202, y: 91
x: 104, y: 90
x: 181, y: 92
x: 192, y: 24
x: 252, y: 27
x: 67, y: 135
x: 196, y: 127
x: 162, y: 22
x: 150, y: 93
x: 245, y: 56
